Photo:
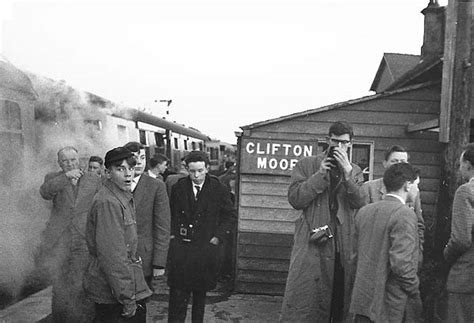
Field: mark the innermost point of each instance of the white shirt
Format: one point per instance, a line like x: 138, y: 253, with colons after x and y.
x: 135, y: 182
x: 151, y: 174
x: 398, y: 197
x: 195, y: 189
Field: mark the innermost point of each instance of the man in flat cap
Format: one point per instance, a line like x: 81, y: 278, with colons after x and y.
x: 64, y: 250
x: 114, y: 277
x: 201, y: 213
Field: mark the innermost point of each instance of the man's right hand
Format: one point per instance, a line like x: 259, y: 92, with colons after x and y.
x: 74, y: 174
x: 325, y: 166
x: 129, y: 309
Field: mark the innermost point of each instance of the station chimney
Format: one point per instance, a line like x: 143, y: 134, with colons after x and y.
x: 433, y: 38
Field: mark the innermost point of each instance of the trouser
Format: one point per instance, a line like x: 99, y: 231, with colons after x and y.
x: 337, y: 301
x: 112, y: 313
x: 68, y: 262
x: 460, y: 307
x: 178, y: 305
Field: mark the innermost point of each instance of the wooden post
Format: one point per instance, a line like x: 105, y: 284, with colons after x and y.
x: 454, y: 134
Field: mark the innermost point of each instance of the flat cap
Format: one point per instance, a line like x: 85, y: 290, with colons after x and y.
x: 116, y: 154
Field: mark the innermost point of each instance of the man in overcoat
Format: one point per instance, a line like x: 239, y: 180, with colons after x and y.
x: 386, y: 238
x: 326, y: 188
x: 201, y: 213
x: 64, y: 248
x: 375, y: 190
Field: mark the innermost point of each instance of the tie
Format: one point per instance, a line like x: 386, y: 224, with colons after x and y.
x: 198, y: 190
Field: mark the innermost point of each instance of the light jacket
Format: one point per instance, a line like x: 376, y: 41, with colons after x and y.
x: 375, y: 190
x: 309, y: 284
x: 459, y: 251
x: 387, y: 260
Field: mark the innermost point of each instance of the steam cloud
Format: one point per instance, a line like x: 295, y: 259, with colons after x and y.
x: 62, y: 117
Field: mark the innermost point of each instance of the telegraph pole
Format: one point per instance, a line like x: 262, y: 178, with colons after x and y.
x: 455, y: 116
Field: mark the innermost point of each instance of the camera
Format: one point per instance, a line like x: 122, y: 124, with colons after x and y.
x: 186, y: 232
x: 330, y: 155
x: 320, y: 235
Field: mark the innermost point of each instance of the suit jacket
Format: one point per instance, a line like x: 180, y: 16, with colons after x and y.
x: 193, y: 264
x: 386, y: 242
x: 375, y: 190
x: 69, y: 208
x: 153, y: 222
x: 459, y: 251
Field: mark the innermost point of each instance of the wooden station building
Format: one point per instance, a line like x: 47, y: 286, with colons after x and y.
x: 410, y: 107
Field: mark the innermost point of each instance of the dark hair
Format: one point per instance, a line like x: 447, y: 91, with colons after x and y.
x: 130, y: 160
x: 134, y: 146
x: 340, y: 128
x: 229, y: 164
x: 468, y: 153
x: 157, y: 159
x: 96, y: 159
x: 197, y: 156
x: 397, y: 175
x: 393, y: 149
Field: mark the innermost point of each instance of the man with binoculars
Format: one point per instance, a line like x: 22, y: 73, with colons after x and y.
x: 326, y: 188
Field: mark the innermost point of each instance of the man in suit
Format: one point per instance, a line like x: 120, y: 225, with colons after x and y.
x: 153, y: 216
x: 375, y: 191
x: 64, y: 248
x: 201, y: 213
x: 386, y: 241
x: 158, y: 165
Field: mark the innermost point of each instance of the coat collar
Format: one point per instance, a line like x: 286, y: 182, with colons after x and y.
x: 124, y: 197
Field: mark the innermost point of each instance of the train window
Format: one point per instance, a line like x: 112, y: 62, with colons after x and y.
x: 214, y: 152
x: 10, y: 115
x: 193, y: 144
x: 159, y: 139
x: 11, y: 145
x: 142, y: 134
x: 176, y: 146
x: 200, y: 146
x: 185, y: 142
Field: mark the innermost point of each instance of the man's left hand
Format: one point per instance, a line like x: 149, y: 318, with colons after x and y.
x: 342, y: 159
x: 214, y: 241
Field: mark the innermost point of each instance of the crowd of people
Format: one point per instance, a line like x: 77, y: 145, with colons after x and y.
x: 120, y: 224
x: 358, y: 246
x: 356, y: 257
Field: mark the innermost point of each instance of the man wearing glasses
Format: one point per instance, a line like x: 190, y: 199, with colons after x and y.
x: 326, y: 188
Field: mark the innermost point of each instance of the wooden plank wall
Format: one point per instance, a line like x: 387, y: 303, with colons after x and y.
x: 266, y: 220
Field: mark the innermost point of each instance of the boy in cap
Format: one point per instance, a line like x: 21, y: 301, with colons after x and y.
x: 112, y: 279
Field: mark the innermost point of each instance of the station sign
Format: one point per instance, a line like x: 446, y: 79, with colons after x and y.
x: 274, y: 156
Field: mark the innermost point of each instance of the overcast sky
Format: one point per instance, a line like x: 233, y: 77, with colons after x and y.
x: 224, y: 63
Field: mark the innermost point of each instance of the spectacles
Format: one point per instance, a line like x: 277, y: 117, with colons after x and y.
x: 339, y: 141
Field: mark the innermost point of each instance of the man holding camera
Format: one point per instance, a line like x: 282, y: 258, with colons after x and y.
x: 326, y: 188
x: 201, y: 213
